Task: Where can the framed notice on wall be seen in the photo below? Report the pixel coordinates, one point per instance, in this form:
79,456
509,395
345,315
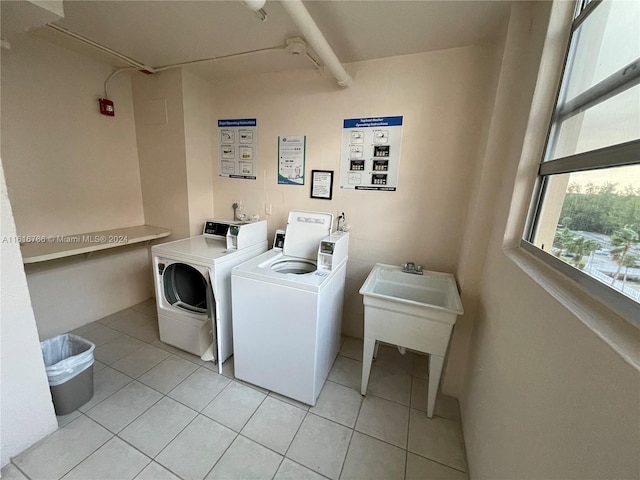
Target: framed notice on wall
237,155
322,184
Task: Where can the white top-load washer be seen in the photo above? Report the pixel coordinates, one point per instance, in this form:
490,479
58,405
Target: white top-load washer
287,309
193,285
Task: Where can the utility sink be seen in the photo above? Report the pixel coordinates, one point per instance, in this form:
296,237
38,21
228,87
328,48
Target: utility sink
431,290
410,311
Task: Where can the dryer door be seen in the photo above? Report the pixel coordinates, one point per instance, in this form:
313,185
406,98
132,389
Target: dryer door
185,288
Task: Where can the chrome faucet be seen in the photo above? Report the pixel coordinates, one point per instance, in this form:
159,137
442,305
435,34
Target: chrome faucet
410,267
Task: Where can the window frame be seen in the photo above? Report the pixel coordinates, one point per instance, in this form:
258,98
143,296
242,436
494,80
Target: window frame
623,154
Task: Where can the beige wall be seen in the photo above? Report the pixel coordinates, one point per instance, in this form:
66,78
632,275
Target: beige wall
198,125
545,396
26,410
444,97
174,124
161,149
71,170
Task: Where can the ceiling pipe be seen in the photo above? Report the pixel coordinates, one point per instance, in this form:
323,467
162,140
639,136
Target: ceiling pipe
314,37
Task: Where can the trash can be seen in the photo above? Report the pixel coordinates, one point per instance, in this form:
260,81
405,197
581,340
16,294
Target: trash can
69,364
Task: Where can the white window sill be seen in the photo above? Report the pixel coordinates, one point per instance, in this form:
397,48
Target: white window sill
621,334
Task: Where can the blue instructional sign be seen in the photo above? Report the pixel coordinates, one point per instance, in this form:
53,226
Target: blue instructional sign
238,148
370,157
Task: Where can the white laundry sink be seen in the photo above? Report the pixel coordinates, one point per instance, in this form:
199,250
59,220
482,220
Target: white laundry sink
411,311
434,292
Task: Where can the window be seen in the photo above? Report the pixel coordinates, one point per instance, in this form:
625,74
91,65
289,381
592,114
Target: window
585,215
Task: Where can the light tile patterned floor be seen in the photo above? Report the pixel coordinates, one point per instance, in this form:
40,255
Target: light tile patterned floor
161,413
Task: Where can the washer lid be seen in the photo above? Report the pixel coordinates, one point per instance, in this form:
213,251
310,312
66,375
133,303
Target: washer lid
304,232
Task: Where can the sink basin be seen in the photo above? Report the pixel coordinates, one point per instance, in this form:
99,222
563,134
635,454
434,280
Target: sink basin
432,290
411,311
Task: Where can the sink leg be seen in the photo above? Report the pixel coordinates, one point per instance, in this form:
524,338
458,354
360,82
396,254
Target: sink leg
435,370
367,357
375,351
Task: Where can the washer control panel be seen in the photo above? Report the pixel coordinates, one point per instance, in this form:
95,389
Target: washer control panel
333,251
217,228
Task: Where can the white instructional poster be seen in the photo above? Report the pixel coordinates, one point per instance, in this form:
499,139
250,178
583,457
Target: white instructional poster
291,155
370,158
238,148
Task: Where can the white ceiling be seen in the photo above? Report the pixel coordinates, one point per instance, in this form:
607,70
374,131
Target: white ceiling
158,33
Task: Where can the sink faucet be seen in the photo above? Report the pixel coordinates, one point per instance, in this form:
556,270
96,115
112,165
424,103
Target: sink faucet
410,267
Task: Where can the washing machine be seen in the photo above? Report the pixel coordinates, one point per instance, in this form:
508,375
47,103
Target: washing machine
193,285
287,309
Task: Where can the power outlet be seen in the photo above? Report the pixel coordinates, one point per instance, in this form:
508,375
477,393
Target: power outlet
268,209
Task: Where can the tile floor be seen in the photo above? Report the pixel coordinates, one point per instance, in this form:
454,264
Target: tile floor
160,413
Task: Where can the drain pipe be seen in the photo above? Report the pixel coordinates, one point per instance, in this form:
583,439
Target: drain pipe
312,34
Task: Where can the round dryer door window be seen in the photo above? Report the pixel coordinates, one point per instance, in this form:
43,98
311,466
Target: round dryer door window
185,288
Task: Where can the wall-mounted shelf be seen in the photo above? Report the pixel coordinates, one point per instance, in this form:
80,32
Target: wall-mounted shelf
68,245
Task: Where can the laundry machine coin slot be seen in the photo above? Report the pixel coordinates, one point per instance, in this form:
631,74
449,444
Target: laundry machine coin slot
278,240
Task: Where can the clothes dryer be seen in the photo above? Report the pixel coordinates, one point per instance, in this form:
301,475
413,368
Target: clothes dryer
287,309
193,285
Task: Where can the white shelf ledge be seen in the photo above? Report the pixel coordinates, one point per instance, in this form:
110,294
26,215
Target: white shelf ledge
42,249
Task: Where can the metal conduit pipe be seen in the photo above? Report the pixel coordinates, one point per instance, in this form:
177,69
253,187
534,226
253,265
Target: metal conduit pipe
107,50
312,34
